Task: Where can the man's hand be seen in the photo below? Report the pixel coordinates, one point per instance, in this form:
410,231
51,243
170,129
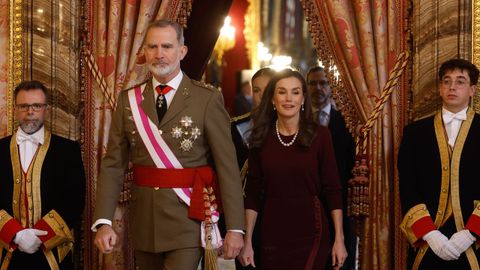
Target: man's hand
105,239
441,246
462,240
232,244
28,241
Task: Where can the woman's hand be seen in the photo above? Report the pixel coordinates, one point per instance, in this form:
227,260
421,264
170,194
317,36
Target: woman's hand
339,254
246,255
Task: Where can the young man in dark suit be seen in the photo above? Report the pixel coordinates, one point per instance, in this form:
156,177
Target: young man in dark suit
438,170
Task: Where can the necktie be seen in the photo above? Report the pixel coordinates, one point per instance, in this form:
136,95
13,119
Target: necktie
323,118
161,101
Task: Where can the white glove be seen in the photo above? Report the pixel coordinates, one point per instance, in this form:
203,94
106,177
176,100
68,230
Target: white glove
28,241
462,240
441,246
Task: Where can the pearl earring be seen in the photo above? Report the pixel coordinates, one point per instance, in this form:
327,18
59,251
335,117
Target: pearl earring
303,109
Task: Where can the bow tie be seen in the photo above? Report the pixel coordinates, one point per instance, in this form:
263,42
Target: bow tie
22,138
448,116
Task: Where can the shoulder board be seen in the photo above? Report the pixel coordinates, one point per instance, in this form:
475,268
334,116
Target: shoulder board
245,116
204,85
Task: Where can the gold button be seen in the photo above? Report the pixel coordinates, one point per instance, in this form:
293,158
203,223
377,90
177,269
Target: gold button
14,201
17,181
50,215
29,180
31,208
445,168
29,194
421,250
444,190
440,212
410,216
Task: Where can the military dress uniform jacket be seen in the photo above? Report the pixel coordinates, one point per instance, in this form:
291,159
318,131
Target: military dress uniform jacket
439,188
158,219
59,185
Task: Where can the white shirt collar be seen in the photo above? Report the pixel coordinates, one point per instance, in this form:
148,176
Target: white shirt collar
327,108
174,83
39,135
460,112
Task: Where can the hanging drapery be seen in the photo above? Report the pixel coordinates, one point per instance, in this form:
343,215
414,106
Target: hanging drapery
364,39
115,30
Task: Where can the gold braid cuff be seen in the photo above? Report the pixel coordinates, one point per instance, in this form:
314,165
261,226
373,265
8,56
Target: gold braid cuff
413,215
63,239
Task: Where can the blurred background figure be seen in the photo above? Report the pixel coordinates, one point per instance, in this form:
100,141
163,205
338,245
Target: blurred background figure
343,145
293,196
243,100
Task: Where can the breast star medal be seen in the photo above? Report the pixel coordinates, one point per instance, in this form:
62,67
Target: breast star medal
186,133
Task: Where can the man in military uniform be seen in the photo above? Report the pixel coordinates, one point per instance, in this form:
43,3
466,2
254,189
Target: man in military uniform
174,130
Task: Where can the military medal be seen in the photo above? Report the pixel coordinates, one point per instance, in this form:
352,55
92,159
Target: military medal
186,133
160,99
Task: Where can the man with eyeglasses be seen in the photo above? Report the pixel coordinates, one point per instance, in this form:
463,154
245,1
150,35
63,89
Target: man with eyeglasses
439,179
42,188
343,145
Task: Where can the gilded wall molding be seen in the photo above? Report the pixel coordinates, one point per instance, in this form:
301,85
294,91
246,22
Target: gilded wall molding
252,32
476,46
15,58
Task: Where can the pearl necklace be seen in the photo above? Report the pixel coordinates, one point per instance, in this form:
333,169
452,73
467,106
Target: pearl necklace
280,138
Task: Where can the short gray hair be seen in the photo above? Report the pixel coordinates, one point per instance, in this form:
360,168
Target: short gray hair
166,23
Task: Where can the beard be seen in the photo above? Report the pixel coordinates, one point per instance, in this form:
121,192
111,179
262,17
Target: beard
31,126
161,71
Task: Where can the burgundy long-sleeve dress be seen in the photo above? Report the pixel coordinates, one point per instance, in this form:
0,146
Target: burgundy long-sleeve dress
295,188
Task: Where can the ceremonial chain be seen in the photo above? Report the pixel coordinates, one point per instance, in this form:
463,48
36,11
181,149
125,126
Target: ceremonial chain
280,138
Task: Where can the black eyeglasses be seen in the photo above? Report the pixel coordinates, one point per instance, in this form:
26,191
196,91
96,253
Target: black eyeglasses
36,107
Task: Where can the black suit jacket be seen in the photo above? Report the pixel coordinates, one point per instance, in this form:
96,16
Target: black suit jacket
62,189
344,148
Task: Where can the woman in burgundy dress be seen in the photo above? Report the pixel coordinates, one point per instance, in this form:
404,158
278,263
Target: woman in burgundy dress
293,180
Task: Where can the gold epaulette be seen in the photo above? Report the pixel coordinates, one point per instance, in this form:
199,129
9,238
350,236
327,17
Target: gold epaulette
240,117
205,85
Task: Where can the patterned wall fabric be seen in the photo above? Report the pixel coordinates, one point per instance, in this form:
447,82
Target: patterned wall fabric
441,30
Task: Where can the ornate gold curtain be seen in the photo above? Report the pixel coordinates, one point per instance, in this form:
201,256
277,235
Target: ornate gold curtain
363,39
115,62
4,67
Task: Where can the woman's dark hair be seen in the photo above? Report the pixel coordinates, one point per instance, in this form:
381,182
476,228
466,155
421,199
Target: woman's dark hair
266,71
264,116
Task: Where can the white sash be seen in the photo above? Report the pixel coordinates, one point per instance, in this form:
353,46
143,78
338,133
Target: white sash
164,158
